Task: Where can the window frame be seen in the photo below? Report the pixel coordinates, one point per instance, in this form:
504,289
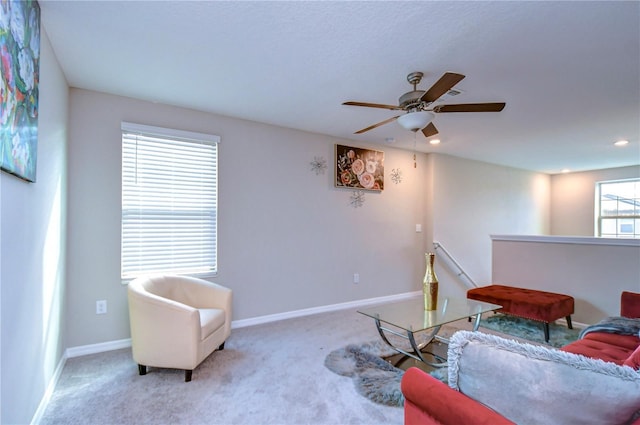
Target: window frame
599,216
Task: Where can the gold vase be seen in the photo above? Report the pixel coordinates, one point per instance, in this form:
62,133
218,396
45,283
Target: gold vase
430,284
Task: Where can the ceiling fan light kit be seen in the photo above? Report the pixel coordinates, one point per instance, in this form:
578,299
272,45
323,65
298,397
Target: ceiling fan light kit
414,121
419,108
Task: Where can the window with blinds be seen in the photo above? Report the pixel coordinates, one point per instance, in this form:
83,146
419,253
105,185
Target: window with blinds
169,201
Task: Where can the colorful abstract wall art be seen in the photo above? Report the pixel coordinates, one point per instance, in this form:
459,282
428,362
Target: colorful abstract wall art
20,67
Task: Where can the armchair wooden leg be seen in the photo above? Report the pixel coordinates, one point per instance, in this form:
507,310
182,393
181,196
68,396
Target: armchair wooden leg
142,369
221,347
187,375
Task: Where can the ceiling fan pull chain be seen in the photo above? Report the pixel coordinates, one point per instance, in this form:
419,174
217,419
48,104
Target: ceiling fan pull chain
414,149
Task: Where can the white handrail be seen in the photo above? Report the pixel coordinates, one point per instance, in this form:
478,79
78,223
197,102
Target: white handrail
461,272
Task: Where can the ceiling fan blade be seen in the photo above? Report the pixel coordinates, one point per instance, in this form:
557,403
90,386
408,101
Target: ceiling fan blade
448,80
373,105
430,130
371,127
471,107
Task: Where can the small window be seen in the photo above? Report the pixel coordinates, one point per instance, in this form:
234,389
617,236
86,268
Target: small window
618,205
169,201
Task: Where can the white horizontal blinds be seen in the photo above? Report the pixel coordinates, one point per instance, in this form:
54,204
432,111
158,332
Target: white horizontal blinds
169,202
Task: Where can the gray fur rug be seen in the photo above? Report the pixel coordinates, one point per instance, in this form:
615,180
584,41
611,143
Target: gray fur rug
530,330
374,378
379,381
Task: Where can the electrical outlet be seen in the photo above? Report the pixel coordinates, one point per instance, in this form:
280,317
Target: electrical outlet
356,278
101,307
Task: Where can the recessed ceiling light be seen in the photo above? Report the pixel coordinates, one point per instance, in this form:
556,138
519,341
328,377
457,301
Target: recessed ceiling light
566,170
434,141
389,140
621,143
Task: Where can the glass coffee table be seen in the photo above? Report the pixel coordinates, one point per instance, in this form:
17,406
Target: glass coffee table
407,318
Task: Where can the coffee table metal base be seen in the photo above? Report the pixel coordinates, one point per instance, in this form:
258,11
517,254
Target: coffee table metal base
435,351
417,353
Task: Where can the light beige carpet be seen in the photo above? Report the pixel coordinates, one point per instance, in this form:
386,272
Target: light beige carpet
267,374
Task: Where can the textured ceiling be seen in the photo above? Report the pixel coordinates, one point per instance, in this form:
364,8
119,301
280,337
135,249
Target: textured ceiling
568,71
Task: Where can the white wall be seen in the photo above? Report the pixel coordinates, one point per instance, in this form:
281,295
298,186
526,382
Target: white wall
288,239
32,261
573,198
472,200
594,271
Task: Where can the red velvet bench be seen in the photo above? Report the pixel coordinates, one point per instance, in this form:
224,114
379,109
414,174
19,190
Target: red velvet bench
532,304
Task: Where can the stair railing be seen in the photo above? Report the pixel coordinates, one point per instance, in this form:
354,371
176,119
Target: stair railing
460,271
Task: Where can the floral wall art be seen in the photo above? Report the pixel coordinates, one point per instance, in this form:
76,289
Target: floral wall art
359,168
19,66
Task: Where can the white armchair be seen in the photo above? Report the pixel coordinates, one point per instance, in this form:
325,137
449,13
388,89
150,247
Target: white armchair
177,321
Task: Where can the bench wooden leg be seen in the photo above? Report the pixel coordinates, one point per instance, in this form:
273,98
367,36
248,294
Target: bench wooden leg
187,375
569,325
546,332
142,369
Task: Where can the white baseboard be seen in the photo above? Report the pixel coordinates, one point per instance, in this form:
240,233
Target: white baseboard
37,416
323,309
578,325
101,347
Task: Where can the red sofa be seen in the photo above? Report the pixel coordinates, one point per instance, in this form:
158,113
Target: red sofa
429,401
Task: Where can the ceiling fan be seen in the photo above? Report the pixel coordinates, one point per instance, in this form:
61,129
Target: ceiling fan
418,105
